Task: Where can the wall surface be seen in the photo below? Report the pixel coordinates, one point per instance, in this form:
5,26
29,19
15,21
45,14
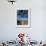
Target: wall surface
8,30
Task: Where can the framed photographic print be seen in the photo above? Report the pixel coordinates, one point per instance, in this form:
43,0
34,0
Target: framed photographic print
23,16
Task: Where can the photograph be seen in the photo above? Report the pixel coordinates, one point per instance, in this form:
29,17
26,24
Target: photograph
23,17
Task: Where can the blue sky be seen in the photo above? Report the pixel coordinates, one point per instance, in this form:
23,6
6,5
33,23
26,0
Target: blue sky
22,15
22,18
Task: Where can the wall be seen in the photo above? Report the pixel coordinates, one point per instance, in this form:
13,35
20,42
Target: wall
8,28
